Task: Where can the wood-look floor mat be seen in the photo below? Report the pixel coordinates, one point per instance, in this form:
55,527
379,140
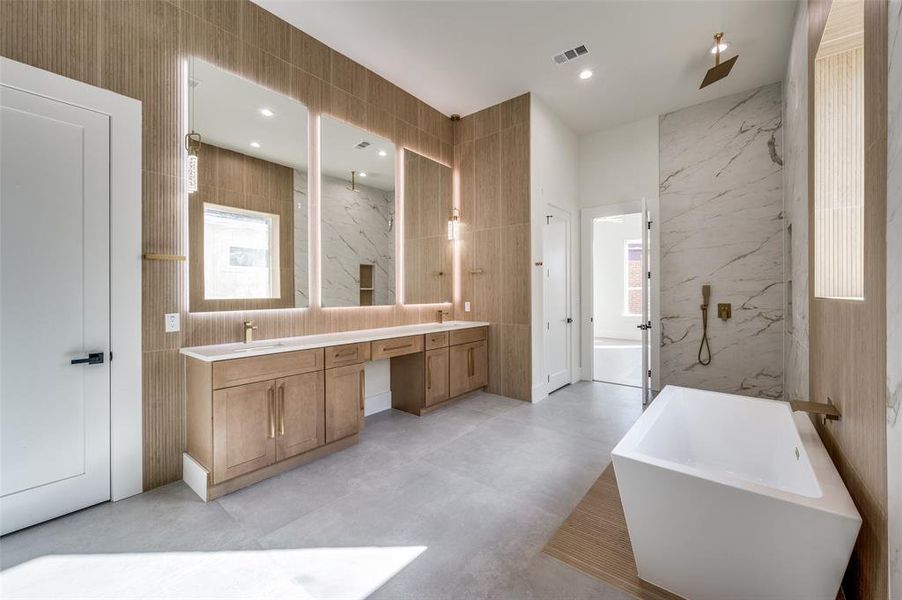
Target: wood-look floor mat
594,540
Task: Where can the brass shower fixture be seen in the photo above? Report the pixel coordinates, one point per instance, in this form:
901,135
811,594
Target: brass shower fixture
720,69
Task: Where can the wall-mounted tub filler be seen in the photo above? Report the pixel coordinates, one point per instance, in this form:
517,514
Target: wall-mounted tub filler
754,507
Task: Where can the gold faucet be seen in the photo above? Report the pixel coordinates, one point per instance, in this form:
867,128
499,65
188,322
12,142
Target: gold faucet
440,315
249,331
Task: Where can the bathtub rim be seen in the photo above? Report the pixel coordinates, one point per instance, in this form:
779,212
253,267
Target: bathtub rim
834,496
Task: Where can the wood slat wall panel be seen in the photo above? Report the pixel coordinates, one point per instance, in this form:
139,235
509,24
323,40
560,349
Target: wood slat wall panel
491,164
848,339
136,48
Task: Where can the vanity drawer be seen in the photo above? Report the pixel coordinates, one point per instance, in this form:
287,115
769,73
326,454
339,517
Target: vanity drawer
397,347
349,354
436,340
465,336
229,373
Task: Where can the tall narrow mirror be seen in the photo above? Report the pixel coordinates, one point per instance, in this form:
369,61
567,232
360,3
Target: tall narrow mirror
247,181
357,194
427,244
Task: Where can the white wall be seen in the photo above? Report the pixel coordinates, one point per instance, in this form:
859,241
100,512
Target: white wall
610,278
620,164
554,154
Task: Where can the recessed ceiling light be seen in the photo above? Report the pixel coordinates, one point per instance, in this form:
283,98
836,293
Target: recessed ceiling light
266,112
362,173
722,46
383,153
585,74
255,144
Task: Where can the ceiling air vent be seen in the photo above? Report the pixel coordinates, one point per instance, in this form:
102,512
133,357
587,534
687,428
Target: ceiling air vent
362,145
572,54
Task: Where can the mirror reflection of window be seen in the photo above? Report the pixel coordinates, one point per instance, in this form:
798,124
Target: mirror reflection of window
241,257
357,191
248,215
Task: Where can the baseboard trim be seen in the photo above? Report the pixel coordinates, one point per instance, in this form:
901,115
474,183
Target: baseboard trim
376,403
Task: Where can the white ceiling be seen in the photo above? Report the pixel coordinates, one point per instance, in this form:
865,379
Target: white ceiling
225,109
648,57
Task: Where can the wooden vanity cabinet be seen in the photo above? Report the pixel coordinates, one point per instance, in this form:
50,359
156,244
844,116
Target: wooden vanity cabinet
468,365
344,401
437,376
243,429
300,414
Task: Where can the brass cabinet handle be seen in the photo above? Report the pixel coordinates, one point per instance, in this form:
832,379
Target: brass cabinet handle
471,369
362,387
346,352
270,408
282,409
407,345
428,372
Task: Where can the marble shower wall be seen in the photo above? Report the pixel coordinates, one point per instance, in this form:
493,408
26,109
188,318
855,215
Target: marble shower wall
795,203
357,228
721,196
894,296
301,260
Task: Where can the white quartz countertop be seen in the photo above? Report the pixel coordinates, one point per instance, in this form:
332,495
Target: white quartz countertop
306,342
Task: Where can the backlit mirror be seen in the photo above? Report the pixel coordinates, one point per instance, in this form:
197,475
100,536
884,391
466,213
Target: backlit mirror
247,165
427,233
357,194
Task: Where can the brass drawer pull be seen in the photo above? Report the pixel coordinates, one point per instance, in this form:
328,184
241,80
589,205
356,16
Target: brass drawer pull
282,409
389,349
362,388
347,352
428,372
270,410
471,367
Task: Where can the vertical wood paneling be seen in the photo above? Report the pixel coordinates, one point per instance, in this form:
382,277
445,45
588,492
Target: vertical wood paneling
848,338
135,48
491,163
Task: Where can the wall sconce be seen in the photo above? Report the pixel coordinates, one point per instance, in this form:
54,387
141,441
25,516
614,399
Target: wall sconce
453,224
192,144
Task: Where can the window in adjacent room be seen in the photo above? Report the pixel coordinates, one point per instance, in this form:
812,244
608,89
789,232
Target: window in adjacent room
632,268
241,253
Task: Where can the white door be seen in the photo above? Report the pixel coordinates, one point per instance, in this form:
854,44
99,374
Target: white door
54,308
556,260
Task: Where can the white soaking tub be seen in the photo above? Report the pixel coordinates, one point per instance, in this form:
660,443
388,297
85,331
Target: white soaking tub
730,497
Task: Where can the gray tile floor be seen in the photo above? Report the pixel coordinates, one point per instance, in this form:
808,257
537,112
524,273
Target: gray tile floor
457,504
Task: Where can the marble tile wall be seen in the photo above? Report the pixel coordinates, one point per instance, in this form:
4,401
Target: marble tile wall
795,203
301,235
721,195
357,228
894,297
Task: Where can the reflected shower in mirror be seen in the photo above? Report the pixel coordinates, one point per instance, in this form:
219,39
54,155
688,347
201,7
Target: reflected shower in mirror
248,194
357,194
427,247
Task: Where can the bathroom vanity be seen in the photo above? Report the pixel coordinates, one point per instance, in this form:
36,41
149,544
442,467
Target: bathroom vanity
256,410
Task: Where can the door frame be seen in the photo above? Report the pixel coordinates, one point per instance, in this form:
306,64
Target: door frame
126,422
552,210
587,292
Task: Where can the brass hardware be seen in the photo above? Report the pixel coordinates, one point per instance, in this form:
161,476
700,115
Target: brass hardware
437,273
828,410
155,256
387,349
282,409
192,143
724,311
719,70
428,372
269,413
455,117
477,271
249,328
471,368
362,388
347,352
440,314
540,263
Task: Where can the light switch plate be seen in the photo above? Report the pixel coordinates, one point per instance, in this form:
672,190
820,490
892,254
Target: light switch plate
172,322
466,307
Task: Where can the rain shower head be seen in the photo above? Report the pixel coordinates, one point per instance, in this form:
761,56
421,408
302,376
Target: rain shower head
720,69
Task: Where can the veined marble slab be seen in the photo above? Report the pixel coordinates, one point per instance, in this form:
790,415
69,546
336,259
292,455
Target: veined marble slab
721,196
307,342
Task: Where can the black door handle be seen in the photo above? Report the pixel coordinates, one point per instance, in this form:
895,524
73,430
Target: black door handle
569,320
94,358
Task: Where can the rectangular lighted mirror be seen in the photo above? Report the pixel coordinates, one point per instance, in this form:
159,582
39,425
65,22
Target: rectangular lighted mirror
357,192
248,214
427,247
839,73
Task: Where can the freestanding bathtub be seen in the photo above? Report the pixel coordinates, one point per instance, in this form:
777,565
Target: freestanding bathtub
730,497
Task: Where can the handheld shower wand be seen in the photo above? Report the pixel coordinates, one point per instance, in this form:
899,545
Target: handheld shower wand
706,295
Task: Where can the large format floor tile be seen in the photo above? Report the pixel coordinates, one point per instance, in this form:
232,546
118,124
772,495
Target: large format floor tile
456,504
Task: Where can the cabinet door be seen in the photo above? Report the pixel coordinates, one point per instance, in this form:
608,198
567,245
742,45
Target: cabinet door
344,401
300,414
436,376
468,367
479,365
243,429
